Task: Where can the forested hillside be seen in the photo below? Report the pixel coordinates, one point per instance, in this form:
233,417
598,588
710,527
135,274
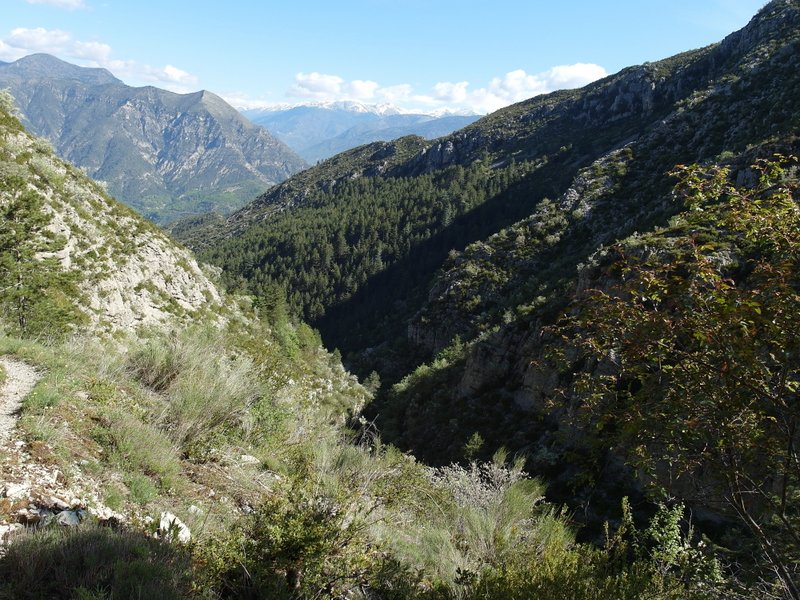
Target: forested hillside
600,155
478,287
205,453
576,323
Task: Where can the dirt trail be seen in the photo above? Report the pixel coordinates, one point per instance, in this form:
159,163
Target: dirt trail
20,379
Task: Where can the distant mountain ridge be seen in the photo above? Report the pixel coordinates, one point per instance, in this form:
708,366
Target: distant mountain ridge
166,155
319,130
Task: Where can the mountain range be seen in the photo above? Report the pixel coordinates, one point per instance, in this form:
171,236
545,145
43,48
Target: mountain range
318,131
166,155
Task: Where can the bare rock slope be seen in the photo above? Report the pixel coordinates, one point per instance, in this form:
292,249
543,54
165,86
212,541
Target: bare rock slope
129,274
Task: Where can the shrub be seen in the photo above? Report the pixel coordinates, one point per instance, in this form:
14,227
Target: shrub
92,562
205,392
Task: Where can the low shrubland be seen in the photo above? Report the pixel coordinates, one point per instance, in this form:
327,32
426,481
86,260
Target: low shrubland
250,448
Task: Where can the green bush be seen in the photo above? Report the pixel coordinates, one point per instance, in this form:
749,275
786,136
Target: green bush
659,562
294,545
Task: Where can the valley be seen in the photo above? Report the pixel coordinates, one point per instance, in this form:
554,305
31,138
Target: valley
551,352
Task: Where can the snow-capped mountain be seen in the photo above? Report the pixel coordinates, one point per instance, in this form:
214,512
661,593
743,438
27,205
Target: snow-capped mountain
318,130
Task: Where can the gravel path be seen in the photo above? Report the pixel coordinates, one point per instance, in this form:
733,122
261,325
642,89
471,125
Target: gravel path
20,379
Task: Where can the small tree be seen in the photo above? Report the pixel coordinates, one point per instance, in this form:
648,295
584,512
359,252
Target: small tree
35,293
703,331
7,103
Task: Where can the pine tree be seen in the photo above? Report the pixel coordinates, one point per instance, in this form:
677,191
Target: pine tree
36,295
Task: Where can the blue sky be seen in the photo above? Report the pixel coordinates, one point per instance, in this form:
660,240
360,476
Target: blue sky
417,54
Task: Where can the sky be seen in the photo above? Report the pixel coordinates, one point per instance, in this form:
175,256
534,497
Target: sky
421,55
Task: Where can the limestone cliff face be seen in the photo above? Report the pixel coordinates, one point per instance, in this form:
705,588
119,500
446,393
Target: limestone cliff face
129,273
167,155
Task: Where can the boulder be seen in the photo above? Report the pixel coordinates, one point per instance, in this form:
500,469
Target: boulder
172,528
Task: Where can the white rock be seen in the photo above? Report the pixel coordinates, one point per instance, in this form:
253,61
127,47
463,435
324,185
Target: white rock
16,491
58,503
248,459
104,514
171,527
195,510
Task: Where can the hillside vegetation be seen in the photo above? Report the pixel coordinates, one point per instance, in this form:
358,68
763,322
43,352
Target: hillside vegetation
568,171
548,186
584,316
213,460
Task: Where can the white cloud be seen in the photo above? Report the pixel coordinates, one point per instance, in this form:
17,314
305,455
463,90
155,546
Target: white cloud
21,42
95,51
451,93
68,4
178,75
167,77
573,76
317,86
362,90
395,94
518,85
512,87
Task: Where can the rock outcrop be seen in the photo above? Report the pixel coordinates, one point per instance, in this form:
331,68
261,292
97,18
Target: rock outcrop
129,273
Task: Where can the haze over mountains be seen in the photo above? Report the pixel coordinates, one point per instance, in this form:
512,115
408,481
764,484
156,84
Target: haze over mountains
167,155
320,130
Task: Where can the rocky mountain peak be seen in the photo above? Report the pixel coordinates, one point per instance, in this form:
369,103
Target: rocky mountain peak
46,66
167,155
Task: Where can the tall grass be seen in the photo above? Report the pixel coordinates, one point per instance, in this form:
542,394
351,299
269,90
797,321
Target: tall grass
480,517
204,390
93,562
142,447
